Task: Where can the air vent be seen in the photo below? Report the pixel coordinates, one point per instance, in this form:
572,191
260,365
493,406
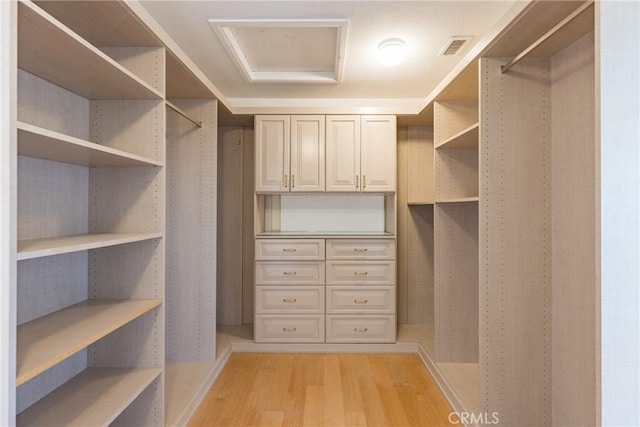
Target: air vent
454,45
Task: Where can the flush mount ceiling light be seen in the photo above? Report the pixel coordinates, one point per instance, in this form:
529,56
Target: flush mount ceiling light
391,52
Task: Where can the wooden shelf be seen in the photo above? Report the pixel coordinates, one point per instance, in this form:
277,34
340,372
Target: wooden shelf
48,340
36,248
460,200
34,141
94,397
53,52
321,234
420,203
468,138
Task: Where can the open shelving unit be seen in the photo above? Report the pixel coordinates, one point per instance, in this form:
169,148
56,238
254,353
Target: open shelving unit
94,397
36,248
41,143
47,340
90,239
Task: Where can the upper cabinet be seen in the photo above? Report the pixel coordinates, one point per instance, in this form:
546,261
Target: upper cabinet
307,153
289,153
378,153
343,153
272,153
361,153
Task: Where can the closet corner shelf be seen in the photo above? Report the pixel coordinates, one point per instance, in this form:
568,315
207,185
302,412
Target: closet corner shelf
50,50
460,200
420,203
40,143
96,396
36,248
46,341
467,138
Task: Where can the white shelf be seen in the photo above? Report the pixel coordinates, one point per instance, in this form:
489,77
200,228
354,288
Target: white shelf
467,138
48,49
34,141
36,248
48,340
94,397
460,200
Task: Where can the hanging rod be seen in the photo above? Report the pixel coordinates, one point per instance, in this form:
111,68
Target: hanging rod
546,35
183,114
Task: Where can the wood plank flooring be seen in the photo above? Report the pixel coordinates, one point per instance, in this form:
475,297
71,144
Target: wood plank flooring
314,390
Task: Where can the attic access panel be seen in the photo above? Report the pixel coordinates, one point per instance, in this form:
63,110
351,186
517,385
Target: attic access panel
286,51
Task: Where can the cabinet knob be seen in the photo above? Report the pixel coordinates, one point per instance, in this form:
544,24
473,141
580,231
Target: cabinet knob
289,273
289,300
364,181
286,181
293,181
360,329
289,329
357,182
360,301
288,249
360,249
360,273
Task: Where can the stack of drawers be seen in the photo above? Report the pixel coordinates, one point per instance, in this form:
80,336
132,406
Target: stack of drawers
359,295
360,290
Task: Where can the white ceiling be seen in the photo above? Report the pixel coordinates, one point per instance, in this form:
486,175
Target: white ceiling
366,86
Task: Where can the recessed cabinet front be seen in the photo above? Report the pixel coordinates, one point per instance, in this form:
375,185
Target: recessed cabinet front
361,153
290,153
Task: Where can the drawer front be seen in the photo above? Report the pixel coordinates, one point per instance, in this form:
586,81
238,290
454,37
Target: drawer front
361,272
346,249
280,328
294,272
361,299
361,328
289,249
289,299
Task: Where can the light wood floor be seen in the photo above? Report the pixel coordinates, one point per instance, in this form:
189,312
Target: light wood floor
323,390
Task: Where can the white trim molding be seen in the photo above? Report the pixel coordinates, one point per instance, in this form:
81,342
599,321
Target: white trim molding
224,29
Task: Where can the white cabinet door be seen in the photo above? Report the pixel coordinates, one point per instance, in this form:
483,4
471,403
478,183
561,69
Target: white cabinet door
307,153
343,153
272,153
378,153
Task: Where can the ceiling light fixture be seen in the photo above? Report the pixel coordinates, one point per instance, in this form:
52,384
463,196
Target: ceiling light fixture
391,52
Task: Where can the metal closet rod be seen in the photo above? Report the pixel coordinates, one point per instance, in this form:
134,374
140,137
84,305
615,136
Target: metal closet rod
546,35
183,114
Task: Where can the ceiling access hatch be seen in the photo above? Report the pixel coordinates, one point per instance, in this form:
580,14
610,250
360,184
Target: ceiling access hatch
286,51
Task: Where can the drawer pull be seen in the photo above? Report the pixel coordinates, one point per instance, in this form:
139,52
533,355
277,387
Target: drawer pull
360,301
289,300
289,329
288,249
289,273
360,273
360,329
360,249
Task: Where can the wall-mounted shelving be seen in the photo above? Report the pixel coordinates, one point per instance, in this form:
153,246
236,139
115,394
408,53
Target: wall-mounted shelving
49,50
91,149
41,143
94,397
46,341
466,138
36,248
